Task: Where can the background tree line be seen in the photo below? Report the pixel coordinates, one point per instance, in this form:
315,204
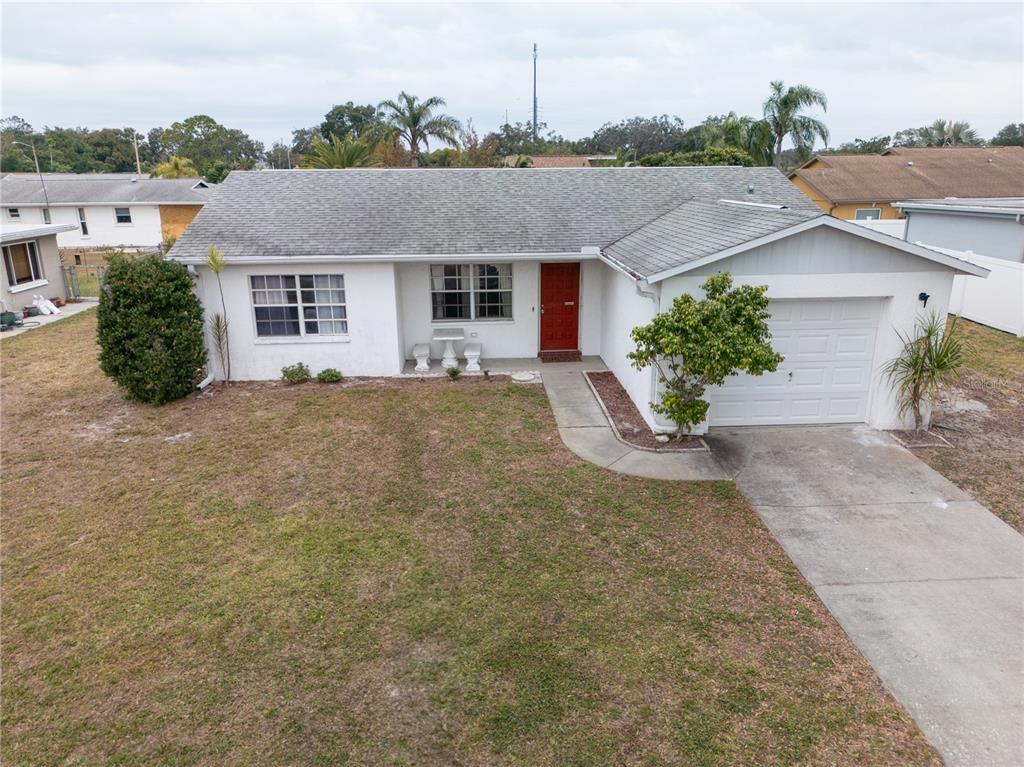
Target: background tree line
411,131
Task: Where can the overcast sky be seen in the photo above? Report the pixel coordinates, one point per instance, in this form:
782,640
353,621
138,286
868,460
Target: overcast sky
269,68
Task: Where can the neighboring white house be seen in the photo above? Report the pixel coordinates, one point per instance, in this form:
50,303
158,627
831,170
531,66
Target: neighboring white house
988,231
106,210
352,268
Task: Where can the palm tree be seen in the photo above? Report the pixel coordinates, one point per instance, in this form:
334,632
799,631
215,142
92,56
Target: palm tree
752,136
338,153
952,133
416,122
784,116
175,167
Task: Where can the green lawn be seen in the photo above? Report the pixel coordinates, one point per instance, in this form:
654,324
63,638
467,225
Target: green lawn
390,573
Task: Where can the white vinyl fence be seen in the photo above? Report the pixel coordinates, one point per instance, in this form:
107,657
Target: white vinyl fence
997,301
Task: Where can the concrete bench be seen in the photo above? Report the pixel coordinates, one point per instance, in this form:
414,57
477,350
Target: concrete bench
472,354
422,354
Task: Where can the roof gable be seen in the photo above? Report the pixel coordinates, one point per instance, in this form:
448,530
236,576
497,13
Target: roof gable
914,249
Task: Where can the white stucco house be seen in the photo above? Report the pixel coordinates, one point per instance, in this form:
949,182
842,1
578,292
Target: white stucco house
102,210
354,268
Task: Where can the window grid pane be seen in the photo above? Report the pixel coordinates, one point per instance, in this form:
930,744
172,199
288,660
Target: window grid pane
471,291
278,305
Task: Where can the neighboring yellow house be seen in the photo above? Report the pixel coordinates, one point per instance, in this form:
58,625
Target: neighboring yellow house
864,186
174,219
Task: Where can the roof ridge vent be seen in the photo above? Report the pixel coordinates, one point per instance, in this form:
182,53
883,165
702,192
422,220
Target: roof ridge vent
747,204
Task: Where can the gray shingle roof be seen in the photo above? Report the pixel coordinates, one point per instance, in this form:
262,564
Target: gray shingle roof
101,190
372,212
700,228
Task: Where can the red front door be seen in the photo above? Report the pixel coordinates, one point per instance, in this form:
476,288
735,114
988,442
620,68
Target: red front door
559,307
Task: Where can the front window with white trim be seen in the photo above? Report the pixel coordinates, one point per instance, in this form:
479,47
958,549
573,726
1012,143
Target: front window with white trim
123,215
14,214
471,291
21,261
299,305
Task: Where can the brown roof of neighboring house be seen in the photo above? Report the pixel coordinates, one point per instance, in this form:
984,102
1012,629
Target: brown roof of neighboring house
558,160
905,173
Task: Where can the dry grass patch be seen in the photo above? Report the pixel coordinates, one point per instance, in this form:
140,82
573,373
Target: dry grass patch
983,418
399,573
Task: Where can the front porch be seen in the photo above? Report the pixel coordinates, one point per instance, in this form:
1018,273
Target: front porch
510,365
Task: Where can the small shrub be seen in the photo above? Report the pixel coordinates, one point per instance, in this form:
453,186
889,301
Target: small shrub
150,328
930,359
453,372
329,375
295,374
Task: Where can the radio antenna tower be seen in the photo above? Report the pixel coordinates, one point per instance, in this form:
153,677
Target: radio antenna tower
535,92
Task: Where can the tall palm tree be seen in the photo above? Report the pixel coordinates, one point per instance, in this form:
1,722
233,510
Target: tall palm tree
175,167
416,122
338,153
783,111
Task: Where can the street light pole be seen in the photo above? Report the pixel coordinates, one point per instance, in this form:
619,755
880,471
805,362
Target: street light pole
39,173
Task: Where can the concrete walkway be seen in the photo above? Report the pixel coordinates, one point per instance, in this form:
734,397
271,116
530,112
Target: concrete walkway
42,320
928,583
585,430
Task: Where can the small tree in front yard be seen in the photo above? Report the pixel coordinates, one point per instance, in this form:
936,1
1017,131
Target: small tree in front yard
150,328
699,343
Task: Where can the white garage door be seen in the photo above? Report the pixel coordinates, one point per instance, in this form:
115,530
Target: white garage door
825,378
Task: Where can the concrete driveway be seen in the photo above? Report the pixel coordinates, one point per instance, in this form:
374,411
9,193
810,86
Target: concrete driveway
927,582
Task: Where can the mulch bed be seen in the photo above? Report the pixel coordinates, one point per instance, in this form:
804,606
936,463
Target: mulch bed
911,438
629,425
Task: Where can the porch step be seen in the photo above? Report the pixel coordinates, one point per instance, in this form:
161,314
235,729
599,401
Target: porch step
561,356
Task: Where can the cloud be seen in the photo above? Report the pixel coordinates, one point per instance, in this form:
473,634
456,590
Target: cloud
269,68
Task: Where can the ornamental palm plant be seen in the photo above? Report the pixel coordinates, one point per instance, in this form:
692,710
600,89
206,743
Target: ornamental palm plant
929,360
338,153
416,122
783,112
219,322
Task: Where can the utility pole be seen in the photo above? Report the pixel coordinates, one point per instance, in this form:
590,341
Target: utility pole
535,92
39,173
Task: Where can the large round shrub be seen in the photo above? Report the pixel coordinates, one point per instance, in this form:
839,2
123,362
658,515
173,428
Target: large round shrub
150,328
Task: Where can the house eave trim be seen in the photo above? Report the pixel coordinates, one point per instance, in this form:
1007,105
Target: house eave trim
961,267
587,254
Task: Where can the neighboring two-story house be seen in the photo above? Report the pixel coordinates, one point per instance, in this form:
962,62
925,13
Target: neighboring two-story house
107,210
865,186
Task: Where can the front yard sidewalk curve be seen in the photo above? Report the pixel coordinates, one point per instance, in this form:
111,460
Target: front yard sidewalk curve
585,431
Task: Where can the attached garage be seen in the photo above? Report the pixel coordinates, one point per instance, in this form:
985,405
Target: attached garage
826,377
841,295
